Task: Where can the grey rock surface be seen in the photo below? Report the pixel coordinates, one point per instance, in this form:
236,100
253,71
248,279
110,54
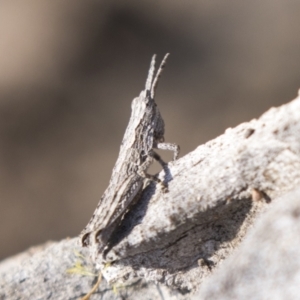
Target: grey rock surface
216,194
49,272
267,265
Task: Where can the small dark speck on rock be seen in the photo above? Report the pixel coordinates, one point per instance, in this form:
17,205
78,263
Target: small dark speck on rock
249,132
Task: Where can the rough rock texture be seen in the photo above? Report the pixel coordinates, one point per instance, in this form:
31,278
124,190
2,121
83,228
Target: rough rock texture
44,273
267,265
216,193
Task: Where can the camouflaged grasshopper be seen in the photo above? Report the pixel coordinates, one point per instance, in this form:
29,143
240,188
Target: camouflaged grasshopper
144,133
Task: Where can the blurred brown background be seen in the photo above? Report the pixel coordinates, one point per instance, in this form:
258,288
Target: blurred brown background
69,70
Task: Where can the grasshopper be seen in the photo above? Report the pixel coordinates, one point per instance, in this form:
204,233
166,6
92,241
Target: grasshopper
144,133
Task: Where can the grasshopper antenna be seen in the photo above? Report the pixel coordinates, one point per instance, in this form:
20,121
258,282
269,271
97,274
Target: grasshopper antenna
158,74
150,74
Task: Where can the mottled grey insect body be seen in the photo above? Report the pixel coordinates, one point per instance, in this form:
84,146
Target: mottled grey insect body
144,133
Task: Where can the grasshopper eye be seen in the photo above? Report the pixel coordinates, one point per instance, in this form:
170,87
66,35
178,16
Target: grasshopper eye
85,240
